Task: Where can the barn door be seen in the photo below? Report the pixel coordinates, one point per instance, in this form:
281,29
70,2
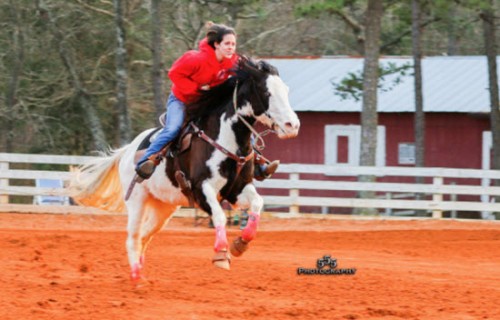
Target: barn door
343,143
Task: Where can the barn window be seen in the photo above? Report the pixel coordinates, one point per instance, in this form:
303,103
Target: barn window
406,153
343,142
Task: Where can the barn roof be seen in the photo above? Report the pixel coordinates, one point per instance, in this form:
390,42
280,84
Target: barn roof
450,84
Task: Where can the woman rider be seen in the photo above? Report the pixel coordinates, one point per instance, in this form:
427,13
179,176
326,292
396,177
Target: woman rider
194,71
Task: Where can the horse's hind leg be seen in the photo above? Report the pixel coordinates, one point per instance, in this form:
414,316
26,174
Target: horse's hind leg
249,197
136,213
157,214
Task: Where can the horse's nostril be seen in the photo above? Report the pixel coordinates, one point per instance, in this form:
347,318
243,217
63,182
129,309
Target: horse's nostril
289,125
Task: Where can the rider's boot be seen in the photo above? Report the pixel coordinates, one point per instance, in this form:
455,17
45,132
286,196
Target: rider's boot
145,168
263,167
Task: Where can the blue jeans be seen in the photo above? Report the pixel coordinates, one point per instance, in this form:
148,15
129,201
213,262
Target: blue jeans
173,123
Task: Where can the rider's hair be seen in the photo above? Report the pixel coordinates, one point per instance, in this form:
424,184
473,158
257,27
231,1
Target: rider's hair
216,32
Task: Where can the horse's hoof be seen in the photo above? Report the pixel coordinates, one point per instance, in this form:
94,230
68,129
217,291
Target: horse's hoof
135,273
238,247
222,259
222,264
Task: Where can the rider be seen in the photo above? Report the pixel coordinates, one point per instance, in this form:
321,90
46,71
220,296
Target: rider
194,71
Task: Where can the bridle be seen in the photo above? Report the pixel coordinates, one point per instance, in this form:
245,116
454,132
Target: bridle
259,141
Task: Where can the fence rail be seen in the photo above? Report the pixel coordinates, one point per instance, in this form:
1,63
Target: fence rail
474,183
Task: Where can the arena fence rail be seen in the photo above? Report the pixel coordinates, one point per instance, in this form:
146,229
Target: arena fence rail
294,187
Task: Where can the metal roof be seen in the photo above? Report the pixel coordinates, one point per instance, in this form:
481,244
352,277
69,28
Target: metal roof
450,84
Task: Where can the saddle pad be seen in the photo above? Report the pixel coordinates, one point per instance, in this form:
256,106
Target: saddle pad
148,139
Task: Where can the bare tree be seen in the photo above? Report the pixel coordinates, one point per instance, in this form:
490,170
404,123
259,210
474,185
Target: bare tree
419,100
369,115
17,61
80,92
419,121
157,72
124,128
489,25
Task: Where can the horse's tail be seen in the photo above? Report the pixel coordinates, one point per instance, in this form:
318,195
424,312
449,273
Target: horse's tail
97,183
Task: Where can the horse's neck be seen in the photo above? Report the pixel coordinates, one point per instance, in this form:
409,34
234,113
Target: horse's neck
229,131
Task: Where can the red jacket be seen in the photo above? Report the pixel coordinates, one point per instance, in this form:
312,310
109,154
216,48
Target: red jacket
195,69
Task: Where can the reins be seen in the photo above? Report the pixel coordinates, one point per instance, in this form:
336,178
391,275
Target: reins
240,161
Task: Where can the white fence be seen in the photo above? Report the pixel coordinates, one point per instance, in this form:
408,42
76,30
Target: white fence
475,185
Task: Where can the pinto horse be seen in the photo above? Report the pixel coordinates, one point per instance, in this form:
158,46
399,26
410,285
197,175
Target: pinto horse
217,165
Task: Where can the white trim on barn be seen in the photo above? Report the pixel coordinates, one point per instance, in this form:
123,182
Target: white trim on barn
353,134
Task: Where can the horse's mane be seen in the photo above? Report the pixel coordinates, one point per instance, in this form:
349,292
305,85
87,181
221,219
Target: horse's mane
215,99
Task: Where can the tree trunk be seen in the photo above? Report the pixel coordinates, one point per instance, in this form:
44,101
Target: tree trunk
369,116
488,17
452,47
419,100
157,73
124,128
419,121
17,61
84,99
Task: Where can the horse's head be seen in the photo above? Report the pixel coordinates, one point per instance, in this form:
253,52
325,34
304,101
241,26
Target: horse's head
269,98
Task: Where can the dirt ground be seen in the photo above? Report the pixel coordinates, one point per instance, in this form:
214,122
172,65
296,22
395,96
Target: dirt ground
75,267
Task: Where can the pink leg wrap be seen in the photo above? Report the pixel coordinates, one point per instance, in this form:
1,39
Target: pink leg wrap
135,273
250,230
220,239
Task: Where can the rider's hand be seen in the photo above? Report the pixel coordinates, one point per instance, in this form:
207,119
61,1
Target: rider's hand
205,87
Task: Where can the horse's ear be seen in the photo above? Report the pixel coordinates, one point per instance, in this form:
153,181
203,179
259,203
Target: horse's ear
267,68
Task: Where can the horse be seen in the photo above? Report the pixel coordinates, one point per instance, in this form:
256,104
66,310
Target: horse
216,165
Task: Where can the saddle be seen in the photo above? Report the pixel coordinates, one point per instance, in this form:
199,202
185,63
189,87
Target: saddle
180,144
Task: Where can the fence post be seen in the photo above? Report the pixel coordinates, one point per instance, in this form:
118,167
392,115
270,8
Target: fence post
294,194
453,198
388,196
4,183
437,197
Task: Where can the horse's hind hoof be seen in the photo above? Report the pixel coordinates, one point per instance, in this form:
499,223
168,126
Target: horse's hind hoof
222,259
238,247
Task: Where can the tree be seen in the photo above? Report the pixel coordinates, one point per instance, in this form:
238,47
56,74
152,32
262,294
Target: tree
488,17
369,115
80,92
157,74
16,62
419,103
124,128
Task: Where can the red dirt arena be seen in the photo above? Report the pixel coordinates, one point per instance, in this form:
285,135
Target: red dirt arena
75,267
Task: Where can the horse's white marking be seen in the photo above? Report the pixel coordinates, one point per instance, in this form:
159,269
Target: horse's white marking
246,110
280,112
212,186
249,198
218,215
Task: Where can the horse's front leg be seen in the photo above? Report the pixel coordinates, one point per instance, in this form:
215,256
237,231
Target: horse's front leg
248,198
221,259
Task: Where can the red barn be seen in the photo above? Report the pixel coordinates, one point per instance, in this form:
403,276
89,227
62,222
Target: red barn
456,104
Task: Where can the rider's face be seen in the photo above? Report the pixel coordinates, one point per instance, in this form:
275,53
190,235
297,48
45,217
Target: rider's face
227,47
